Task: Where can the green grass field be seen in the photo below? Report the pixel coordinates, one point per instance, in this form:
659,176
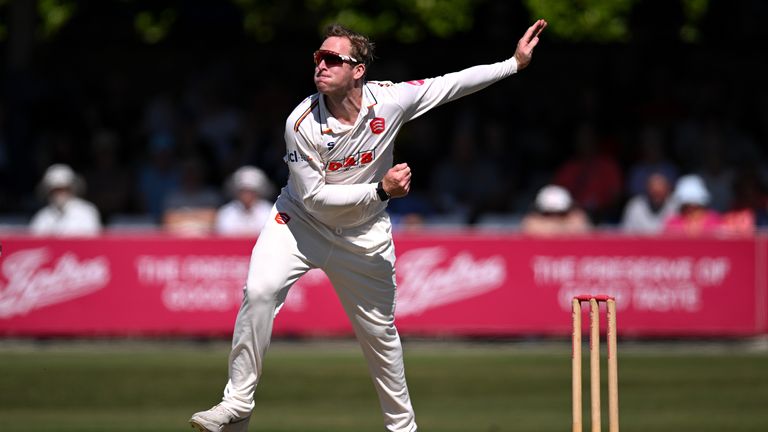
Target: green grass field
323,386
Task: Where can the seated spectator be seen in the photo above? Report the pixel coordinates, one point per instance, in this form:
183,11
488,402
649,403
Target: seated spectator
65,214
191,210
159,175
750,195
694,217
592,176
465,183
247,213
651,160
739,222
555,214
646,213
109,180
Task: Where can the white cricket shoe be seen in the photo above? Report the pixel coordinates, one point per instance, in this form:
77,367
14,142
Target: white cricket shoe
218,419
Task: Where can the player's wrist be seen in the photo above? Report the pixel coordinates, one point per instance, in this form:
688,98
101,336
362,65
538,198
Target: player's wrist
383,194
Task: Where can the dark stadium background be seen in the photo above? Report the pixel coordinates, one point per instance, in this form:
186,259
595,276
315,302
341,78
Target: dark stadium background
97,74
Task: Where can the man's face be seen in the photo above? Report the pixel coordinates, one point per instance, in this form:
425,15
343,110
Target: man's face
658,188
337,77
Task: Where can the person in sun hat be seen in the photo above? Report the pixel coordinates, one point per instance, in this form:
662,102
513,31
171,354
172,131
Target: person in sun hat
247,213
694,216
65,214
554,213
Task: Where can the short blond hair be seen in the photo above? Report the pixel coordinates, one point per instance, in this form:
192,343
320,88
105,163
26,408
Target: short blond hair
362,47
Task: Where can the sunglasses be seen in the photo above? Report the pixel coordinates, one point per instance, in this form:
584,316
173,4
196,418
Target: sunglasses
332,58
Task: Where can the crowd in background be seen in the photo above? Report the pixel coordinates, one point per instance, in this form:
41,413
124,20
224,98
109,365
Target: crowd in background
633,135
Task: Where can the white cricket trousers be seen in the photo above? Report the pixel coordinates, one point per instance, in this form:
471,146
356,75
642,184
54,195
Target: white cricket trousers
360,264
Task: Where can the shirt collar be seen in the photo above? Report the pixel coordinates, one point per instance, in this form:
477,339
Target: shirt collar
330,124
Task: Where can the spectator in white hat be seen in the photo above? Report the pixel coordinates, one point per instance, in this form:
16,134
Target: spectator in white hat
694,216
554,214
246,214
65,214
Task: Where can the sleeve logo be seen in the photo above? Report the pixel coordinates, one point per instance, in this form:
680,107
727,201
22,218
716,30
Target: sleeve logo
282,218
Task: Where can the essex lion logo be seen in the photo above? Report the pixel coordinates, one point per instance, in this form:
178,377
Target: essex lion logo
377,125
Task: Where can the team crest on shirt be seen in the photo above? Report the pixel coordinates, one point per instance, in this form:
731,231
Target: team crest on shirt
357,160
377,125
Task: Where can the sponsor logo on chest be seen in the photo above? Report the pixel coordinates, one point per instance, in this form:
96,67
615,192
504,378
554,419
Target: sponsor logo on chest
358,160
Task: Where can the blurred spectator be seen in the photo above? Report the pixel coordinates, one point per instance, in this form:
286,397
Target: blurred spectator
591,176
247,213
749,207
160,115
65,214
191,209
715,172
651,160
109,181
555,214
694,217
645,213
5,195
220,128
465,183
158,176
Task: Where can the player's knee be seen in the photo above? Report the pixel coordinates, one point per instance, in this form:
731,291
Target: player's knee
259,293
376,326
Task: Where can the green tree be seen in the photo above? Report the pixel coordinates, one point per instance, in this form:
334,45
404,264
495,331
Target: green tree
404,20
605,20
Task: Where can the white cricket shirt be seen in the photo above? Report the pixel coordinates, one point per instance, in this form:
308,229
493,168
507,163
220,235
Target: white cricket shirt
334,168
77,218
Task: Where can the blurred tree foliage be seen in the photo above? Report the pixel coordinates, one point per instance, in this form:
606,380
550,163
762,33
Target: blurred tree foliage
585,20
605,20
406,21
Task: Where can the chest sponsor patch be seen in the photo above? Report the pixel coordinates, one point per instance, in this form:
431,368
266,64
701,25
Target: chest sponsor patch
357,160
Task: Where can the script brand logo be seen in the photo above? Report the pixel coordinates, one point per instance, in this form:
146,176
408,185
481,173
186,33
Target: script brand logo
433,277
33,279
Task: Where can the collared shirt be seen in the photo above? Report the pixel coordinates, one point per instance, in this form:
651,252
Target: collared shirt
77,218
334,167
233,219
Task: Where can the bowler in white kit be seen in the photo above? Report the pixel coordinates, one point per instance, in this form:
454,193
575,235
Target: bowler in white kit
331,215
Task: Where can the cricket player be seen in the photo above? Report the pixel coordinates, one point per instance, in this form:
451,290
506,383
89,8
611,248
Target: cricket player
331,215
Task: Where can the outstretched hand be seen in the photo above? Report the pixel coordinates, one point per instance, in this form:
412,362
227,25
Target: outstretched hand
527,43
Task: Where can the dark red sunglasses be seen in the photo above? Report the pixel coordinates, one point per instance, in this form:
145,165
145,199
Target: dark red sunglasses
332,58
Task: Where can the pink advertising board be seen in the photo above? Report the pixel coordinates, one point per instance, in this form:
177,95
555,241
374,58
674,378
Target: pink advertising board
465,284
